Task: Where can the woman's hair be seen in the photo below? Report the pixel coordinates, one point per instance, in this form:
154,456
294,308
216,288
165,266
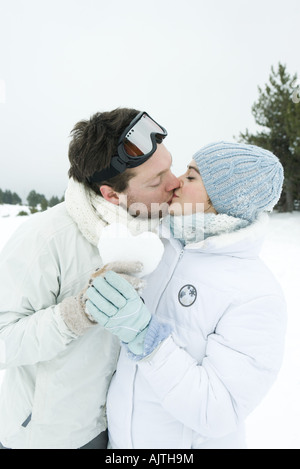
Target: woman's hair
93,144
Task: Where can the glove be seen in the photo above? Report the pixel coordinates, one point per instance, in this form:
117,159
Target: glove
73,309
127,270
146,343
114,303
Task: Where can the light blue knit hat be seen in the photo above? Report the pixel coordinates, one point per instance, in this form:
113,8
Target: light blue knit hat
241,180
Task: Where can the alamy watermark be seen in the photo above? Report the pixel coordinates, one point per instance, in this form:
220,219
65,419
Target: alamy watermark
185,219
296,92
2,92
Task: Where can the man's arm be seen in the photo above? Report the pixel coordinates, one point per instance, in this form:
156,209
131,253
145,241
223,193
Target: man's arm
31,327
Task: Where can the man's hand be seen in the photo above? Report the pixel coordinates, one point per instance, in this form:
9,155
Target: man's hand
127,270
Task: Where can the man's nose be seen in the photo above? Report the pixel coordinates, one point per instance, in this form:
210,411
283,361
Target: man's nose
173,184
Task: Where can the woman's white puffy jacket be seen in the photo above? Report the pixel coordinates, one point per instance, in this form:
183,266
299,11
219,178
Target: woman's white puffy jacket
197,388
55,385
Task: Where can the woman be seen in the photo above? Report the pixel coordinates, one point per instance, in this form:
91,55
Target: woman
193,387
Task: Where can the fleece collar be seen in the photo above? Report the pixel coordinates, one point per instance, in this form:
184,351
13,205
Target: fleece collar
237,242
92,213
245,242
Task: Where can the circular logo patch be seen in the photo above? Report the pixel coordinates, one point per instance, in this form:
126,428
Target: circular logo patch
187,295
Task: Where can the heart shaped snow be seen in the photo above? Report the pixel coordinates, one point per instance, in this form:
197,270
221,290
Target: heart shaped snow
118,244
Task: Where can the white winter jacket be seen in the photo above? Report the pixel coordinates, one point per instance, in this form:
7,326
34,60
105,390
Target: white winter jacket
55,384
228,317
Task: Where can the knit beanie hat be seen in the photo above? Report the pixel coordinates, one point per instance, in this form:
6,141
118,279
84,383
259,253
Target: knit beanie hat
241,180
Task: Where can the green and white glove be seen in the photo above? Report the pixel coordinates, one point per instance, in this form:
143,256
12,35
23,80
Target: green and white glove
116,305
73,309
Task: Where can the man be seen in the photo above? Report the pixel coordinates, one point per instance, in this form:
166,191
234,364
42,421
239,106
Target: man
58,359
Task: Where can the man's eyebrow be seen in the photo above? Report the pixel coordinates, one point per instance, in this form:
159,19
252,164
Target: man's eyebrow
194,167
162,172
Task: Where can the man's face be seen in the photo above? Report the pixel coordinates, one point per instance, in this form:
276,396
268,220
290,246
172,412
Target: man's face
150,191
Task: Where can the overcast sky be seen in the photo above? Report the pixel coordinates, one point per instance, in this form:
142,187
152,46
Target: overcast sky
194,65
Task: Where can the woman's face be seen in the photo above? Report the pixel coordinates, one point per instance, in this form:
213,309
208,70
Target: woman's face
191,196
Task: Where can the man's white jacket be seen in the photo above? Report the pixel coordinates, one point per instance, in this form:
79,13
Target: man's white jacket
228,317
55,384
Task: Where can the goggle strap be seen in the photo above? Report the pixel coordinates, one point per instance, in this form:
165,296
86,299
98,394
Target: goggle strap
103,175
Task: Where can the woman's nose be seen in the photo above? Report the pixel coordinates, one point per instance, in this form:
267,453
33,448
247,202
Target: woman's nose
180,182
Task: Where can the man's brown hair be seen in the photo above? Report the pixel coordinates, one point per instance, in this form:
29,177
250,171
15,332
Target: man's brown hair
93,144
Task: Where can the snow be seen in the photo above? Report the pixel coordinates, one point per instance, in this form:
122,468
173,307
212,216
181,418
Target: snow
9,211
275,424
146,247
9,221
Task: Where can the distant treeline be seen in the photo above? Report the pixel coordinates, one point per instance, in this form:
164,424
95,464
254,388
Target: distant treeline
36,202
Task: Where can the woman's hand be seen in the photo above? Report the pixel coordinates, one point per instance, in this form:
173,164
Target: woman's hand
114,304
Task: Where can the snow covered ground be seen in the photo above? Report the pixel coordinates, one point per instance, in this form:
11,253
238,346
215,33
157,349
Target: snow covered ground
275,424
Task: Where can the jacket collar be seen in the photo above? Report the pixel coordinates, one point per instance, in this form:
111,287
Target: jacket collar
246,242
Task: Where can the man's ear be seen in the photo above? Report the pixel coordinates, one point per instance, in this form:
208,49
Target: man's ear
110,195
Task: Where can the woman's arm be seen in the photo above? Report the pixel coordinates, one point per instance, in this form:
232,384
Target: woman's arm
243,357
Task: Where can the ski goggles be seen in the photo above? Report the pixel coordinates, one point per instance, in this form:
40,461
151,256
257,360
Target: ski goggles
137,143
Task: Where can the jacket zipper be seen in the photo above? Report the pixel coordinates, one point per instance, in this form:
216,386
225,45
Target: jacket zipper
167,284
135,371
132,404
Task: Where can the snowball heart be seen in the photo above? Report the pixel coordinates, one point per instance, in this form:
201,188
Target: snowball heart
118,244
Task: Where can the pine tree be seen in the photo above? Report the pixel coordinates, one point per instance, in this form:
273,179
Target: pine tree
33,199
9,197
16,200
44,203
53,201
277,111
